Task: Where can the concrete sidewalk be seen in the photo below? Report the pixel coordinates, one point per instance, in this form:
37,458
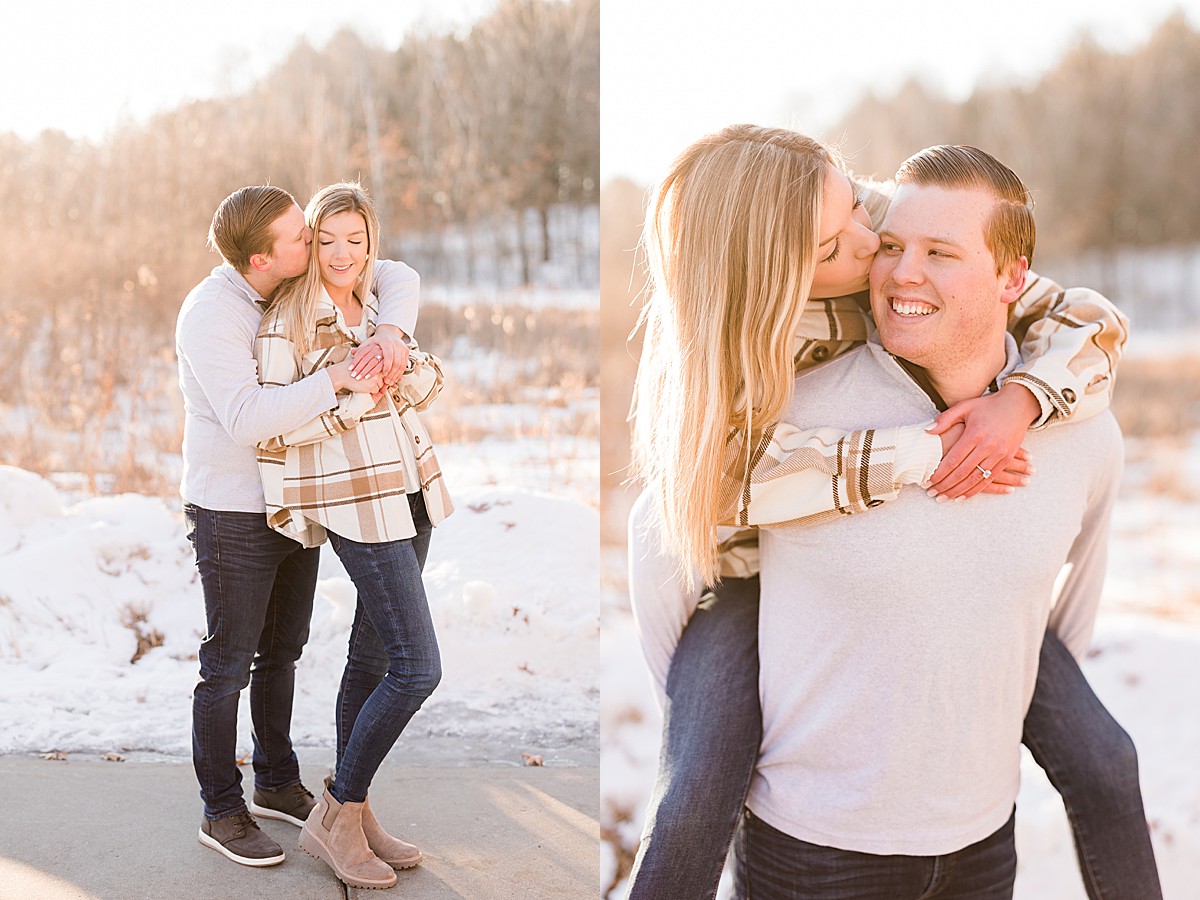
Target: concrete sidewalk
84,829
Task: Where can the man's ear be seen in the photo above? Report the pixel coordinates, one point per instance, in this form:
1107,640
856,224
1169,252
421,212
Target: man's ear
260,262
1014,280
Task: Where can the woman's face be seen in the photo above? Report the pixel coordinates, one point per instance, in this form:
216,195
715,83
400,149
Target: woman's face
847,242
342,248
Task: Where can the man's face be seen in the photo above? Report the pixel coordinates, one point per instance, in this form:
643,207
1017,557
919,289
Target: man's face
289,253
935,293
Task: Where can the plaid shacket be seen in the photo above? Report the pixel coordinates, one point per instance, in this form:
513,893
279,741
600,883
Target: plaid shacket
345,471
1071,341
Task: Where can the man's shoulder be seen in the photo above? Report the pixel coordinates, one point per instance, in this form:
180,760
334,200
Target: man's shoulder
215,302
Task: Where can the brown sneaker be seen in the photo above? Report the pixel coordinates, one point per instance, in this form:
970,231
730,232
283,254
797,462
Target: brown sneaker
239,838
290,804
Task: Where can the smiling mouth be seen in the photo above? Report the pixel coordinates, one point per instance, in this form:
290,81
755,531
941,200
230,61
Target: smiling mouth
339,268
911,309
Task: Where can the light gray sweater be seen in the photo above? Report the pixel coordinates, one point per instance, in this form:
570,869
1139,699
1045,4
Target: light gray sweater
226,410
899,649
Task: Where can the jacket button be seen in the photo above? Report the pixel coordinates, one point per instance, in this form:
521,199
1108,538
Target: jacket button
1069,395
820,353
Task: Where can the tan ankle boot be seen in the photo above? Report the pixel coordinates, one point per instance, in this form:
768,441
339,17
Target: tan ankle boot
333,833
396,853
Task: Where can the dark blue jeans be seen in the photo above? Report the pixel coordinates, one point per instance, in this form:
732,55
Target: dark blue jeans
393,663
258,598
772,865
713,725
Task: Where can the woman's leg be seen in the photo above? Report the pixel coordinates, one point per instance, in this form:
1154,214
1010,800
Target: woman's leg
366,659
1092,763
388,580
712,725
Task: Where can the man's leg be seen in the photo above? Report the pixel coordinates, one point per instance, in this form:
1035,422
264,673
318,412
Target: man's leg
772,865
1092,763
273,672
238,558
712,726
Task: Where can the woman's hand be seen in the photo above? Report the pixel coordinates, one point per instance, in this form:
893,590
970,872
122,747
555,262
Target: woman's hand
385,352
343,379
984,433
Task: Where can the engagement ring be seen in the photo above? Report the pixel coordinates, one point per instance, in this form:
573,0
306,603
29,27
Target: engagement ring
986,473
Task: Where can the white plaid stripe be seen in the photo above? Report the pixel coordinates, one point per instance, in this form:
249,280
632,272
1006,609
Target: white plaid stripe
347,470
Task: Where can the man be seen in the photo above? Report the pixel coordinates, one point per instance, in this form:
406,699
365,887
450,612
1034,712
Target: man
258,585
899,650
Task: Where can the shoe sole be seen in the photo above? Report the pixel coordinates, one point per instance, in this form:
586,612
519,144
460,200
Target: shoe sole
267,813
314,847
407,864
259,862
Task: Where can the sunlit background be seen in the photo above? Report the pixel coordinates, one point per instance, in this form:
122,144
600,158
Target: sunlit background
475,126
1097,107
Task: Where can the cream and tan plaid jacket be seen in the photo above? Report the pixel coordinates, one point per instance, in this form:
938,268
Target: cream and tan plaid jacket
350,469
1070,340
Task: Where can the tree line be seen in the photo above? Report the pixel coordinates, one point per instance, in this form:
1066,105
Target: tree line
1105,140
486,136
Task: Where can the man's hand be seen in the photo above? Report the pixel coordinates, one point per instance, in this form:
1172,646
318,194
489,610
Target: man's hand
386,352
984,433
342,379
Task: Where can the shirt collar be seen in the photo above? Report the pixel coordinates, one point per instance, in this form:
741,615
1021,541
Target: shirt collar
238,280
1012,359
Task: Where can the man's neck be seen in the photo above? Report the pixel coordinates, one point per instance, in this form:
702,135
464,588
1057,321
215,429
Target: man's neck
949,385
262,282
957,383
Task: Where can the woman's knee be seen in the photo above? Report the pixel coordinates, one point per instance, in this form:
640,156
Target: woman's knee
417,679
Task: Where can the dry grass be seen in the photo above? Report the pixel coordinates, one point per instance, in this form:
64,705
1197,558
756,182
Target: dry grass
1158,397
113,423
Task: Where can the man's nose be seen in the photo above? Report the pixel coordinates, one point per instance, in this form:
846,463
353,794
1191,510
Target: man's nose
907,269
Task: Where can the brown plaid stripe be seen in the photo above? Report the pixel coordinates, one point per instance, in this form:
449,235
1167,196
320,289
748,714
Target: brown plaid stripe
349,470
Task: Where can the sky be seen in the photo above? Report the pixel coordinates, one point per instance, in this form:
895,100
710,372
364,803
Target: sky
674,71
88,66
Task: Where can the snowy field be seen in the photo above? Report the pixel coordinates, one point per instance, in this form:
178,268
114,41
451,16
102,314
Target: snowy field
101,610
512,579
1144,664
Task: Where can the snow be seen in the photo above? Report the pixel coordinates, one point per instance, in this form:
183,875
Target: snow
511,578
1144,665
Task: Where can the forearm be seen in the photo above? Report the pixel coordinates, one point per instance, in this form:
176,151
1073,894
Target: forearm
661,604
792,474
1071,342
398,287
345,416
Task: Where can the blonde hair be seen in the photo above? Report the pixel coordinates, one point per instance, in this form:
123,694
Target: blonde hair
1011,232
731,244
241,226
297,298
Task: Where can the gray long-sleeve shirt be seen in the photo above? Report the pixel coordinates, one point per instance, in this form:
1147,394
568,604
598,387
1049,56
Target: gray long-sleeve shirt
226,410
899,649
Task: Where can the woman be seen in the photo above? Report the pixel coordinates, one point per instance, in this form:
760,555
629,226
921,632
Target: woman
366,475
753,244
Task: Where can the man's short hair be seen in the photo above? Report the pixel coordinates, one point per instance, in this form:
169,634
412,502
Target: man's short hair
1011,232
241,226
